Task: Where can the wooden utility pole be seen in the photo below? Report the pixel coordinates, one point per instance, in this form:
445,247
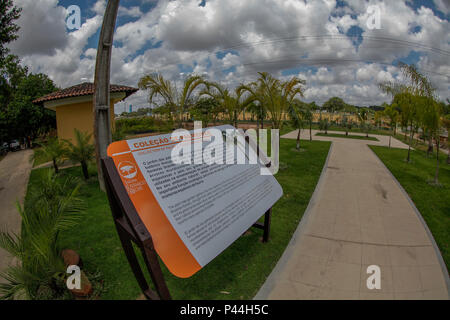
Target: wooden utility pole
102,117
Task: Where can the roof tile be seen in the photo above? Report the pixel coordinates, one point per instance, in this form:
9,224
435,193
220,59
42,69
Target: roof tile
82,89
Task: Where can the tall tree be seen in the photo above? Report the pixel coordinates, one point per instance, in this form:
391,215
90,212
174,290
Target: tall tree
334,104
296,111
81,150
206,110
391,112
274,95
54,149
411,96
8,28
233,103
165,91
446,124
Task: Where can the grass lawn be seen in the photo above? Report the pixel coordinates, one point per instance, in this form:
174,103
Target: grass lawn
237,273
355,130
433,202
338,135
417,144
40,159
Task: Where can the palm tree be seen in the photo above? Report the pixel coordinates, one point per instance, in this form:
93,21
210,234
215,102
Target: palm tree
297,115
308,115
54,150
274,95
324,125
409,97
177,101
432,121
55,208
391,112
257,109
232,103
346,124
81,151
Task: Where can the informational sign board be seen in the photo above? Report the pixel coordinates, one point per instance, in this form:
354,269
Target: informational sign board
192,211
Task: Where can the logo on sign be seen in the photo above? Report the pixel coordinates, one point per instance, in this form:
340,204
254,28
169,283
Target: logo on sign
127,170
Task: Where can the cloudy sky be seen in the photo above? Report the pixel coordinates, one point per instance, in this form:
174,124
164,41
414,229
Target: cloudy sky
326,42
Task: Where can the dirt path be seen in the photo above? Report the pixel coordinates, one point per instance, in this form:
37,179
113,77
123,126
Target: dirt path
14,174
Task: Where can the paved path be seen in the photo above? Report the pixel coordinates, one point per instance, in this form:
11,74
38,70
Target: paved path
14,174
358,216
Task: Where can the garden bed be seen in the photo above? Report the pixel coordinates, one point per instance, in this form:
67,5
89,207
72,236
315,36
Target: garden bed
350,136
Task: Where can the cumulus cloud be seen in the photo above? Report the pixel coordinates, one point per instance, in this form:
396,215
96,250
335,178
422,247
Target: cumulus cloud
133,12
307,38
47,21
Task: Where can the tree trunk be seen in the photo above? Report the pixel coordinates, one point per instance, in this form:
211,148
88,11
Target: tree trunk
390,141
436,175
55,166
102,125
84,167
409,145
298,139
448,148
310,131
430,145
261,116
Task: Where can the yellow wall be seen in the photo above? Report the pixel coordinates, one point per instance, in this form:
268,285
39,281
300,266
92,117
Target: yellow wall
79,116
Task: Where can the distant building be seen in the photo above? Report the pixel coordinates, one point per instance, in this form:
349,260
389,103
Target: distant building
74,107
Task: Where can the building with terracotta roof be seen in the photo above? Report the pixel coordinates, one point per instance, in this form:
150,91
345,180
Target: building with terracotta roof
74,107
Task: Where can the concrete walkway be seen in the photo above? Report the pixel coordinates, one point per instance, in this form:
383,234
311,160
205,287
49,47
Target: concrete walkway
358,216
14,174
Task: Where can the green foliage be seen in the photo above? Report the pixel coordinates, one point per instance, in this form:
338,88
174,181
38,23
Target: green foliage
54,150
334,104
81,151
231,103
52,207
258,111
392,113
205,110
274,95
8,28
18,114
177,101
297,114
324,125
142,125
352,136
19,118
346,124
